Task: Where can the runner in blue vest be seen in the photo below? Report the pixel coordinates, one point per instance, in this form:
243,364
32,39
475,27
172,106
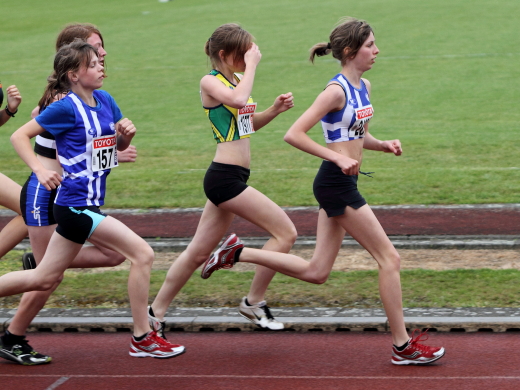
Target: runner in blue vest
88,127
37,204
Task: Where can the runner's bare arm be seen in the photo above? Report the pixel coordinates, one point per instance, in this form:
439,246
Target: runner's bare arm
21,140
281,104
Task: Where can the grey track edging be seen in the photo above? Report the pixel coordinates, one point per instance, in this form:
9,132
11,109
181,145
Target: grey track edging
298,324
400,242
295,319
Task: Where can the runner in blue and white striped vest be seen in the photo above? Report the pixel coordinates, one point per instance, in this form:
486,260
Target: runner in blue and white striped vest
348,123
82,186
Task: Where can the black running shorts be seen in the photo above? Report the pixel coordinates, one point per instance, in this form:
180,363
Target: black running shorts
223,182
334,190
77,223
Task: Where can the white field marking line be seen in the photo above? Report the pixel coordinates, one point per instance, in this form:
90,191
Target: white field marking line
271,377
58,383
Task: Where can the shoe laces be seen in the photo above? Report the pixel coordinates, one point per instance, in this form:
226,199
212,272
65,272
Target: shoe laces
162,341
421,336
24,346
267,312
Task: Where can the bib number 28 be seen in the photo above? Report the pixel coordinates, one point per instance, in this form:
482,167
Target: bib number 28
104,153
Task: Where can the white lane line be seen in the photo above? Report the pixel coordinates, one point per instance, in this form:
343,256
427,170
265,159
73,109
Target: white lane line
58,383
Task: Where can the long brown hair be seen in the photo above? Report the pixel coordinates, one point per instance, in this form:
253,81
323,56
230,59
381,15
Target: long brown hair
349,33
69,34
231,38
69,58
77,30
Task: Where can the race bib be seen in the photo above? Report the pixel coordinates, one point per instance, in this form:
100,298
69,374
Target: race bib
245,119
363,115
104,153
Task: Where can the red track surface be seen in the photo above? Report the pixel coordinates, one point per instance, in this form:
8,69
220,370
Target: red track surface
395,221
265,361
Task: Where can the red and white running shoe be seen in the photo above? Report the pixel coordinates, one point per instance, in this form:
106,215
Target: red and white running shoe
154,346
416,353
224,257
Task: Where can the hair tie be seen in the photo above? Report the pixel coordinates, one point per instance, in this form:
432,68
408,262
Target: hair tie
329,46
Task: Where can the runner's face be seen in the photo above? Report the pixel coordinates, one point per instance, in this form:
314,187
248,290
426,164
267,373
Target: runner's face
235,65
91,77
366,56
95,40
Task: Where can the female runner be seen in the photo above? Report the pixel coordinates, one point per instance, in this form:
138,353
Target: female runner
15,231
226,98
344,110
88,127
36,204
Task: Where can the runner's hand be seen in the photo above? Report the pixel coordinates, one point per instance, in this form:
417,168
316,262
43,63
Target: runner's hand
127,155
48,178
393,146
13,98
284,102
348,165
126,128
253,55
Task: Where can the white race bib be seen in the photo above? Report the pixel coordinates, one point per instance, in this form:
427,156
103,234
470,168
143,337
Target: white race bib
104,153
245,119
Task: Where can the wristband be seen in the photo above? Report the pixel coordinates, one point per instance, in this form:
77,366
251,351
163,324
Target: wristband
9,112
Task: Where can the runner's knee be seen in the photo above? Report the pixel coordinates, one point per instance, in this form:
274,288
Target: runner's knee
315,275
287,237
144,257
318,277
391,262
45,282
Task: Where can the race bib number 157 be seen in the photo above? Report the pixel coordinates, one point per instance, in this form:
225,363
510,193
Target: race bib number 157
104,153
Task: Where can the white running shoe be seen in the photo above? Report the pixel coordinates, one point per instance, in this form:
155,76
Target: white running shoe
260,315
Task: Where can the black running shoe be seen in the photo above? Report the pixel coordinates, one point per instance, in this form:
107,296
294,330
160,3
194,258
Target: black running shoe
28,261
23,353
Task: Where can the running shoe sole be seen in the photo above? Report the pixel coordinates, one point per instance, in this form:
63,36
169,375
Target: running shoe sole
142,354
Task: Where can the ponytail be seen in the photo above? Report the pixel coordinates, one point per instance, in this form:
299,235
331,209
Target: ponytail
320,50
349,34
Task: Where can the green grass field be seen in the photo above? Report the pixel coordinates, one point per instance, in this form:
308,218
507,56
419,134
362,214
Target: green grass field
421,288
442,83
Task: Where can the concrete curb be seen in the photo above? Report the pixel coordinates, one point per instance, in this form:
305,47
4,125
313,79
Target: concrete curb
400,242
295,319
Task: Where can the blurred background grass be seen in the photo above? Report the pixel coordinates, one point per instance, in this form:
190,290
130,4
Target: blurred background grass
442,84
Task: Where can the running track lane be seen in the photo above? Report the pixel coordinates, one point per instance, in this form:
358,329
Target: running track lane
261,360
